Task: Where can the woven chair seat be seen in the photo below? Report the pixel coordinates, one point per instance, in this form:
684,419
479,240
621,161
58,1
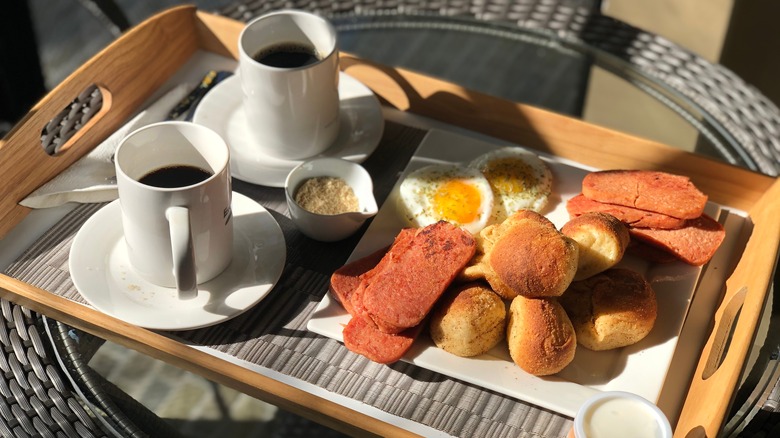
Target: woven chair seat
47,389
35,396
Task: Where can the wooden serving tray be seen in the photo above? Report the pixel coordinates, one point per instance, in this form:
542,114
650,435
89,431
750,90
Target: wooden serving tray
130,70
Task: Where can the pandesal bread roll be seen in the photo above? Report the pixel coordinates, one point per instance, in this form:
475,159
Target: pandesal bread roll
541,338
602,240
526,255
468,320
611,310
474,271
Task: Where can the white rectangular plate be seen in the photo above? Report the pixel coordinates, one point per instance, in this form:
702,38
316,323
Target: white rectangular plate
640,368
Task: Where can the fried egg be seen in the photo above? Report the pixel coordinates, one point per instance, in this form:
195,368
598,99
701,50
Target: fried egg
458,194
519,180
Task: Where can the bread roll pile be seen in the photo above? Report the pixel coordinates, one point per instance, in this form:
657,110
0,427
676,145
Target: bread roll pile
551,280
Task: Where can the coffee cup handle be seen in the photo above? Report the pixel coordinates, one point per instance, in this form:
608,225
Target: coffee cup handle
184,270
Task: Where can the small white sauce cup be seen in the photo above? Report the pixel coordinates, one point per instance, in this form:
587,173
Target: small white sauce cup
620,414
330,228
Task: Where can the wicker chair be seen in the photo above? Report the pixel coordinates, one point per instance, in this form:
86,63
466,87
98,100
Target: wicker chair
48,390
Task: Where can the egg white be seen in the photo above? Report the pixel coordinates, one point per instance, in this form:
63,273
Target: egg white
470,203
518,178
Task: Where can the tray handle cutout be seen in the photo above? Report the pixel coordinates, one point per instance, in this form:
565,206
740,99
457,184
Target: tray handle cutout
724,332
74,117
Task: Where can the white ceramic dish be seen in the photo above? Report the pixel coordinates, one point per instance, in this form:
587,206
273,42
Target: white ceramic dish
361,129
620,414
101,272
640,369
330,228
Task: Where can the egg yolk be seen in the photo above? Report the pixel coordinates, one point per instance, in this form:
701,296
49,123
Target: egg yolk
457,202
509,176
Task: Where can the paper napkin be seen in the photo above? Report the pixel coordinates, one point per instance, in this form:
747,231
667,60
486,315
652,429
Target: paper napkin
93,177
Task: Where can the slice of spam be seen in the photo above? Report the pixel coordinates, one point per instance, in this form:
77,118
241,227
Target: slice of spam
416,274
362,337
630,216
347,278
695,243
660,192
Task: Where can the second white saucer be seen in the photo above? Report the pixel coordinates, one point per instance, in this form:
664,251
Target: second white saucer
361,129
102,274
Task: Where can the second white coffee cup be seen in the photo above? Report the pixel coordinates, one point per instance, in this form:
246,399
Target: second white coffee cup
175,193
289,72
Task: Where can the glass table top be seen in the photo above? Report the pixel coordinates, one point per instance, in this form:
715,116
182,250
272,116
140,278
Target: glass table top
539,68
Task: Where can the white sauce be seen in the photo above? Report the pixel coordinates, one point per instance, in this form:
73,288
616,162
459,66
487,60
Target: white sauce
620,418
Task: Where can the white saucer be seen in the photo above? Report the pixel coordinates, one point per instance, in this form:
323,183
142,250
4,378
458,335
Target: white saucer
361,129
102,274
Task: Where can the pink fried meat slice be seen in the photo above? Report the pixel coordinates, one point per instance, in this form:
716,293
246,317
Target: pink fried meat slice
346,279
631,216
694,244
401,294
660,192
362,337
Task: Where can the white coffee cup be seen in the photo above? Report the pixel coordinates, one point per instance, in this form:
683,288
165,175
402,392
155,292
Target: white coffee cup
177,236
292,111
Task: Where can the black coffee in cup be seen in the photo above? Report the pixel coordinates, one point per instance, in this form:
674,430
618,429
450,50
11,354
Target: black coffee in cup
287,55
175,176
